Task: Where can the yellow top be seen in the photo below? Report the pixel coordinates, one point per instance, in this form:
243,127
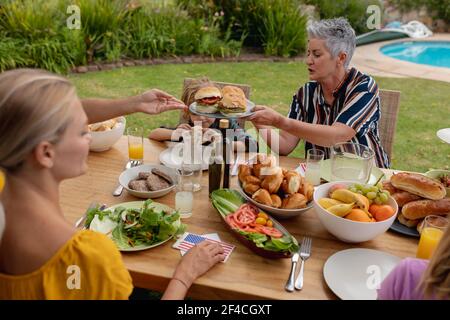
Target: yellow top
88,266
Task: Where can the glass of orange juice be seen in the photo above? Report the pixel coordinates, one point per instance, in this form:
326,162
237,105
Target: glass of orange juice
135,143
432,231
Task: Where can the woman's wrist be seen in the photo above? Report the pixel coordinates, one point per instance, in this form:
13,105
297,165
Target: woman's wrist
184,277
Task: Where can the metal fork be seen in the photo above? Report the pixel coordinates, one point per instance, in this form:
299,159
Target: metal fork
305,252
130,164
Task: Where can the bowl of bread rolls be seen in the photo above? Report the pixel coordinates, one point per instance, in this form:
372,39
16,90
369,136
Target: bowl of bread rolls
417,196
106,133
282,193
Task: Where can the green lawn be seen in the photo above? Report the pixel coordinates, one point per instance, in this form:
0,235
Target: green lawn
424,107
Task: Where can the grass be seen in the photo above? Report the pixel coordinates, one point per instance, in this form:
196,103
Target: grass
424,106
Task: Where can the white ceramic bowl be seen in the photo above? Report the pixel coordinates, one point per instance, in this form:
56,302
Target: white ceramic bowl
132,173
104,140
349,230
276,212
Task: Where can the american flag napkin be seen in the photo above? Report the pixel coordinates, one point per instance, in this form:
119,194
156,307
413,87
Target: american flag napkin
301,169
189,240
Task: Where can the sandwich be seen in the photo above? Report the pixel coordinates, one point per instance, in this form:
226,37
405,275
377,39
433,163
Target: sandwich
207,99
233,102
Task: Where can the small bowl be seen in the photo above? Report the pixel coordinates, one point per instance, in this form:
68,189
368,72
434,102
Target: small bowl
276,212
348,230
104,140
132,173
435,174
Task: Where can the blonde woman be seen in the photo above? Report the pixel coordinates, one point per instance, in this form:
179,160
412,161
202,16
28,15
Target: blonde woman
43,141
417,279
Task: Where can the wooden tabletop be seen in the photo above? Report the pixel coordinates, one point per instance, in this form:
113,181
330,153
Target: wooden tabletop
245,275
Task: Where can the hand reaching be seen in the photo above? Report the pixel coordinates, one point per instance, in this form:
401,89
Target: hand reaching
156,101
264,116
198,260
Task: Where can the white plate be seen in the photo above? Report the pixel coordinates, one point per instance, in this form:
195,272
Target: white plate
218,114
173,157
353,274
444,134
326,172
138,205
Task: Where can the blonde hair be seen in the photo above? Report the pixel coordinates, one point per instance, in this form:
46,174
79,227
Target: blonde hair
34,107
188,95
435,281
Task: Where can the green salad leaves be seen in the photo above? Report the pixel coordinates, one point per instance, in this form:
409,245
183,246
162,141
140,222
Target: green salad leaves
136,227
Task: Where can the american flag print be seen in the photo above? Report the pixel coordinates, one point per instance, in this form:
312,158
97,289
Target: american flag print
189,240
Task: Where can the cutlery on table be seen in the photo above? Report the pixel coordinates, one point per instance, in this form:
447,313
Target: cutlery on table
130,164
305,252
82,219
290,283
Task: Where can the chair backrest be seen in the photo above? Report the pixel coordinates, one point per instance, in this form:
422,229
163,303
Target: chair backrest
390,103
246,88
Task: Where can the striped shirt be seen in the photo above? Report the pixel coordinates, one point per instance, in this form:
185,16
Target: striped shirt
356,104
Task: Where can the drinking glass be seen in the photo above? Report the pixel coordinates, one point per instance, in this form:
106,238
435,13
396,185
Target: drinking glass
193,155
135,143
184,196
314,158
351,161
432,231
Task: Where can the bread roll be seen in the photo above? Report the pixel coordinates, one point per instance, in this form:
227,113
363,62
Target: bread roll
243,171
273,182
419,184
422,208
291,182
307,189
403,197
251,184
407,222
262,196
276,200
387,185
294,201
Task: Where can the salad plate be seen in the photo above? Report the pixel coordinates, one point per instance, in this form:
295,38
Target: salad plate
136,225
243,220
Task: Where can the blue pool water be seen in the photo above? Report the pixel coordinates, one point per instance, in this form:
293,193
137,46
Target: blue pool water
434,53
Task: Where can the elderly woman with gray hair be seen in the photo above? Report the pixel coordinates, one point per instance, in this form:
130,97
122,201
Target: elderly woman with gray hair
339,104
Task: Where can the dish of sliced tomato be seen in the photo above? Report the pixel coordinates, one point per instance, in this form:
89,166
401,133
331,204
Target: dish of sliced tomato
244,219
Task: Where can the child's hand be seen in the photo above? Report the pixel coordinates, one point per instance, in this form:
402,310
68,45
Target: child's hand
179,131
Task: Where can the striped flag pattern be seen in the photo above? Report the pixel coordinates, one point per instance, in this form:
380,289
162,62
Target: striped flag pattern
189,240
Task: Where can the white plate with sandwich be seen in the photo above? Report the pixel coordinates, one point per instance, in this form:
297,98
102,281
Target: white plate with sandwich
230,102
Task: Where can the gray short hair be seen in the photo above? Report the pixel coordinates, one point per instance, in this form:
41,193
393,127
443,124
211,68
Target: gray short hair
338,34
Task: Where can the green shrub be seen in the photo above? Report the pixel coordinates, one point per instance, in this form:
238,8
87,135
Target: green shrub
275,25
12,54
353,10
440,9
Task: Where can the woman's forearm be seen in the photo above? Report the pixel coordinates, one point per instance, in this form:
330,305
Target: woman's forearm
176,290
282,141
322,135
103,109
161,134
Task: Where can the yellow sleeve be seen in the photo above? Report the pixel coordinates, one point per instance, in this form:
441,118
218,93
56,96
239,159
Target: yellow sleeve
93,270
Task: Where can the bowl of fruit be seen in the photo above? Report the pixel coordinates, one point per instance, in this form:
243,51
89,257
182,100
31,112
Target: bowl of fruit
354,212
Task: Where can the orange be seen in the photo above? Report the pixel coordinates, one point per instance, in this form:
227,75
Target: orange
381,211
358,215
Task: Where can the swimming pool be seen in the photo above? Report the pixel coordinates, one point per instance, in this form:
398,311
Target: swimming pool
434,53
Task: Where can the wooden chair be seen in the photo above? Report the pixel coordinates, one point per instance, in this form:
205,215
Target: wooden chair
244,87
390,103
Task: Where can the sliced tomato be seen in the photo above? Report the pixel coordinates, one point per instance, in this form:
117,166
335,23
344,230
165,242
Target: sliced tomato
211,100
270,231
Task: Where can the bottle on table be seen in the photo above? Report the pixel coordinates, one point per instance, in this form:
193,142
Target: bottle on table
215,167
224,124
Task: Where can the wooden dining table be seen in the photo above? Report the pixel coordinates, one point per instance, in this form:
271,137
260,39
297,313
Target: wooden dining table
244,275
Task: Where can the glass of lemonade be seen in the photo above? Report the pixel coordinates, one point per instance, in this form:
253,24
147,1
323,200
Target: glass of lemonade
135,143
314,159
351,161
184,197
432,231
